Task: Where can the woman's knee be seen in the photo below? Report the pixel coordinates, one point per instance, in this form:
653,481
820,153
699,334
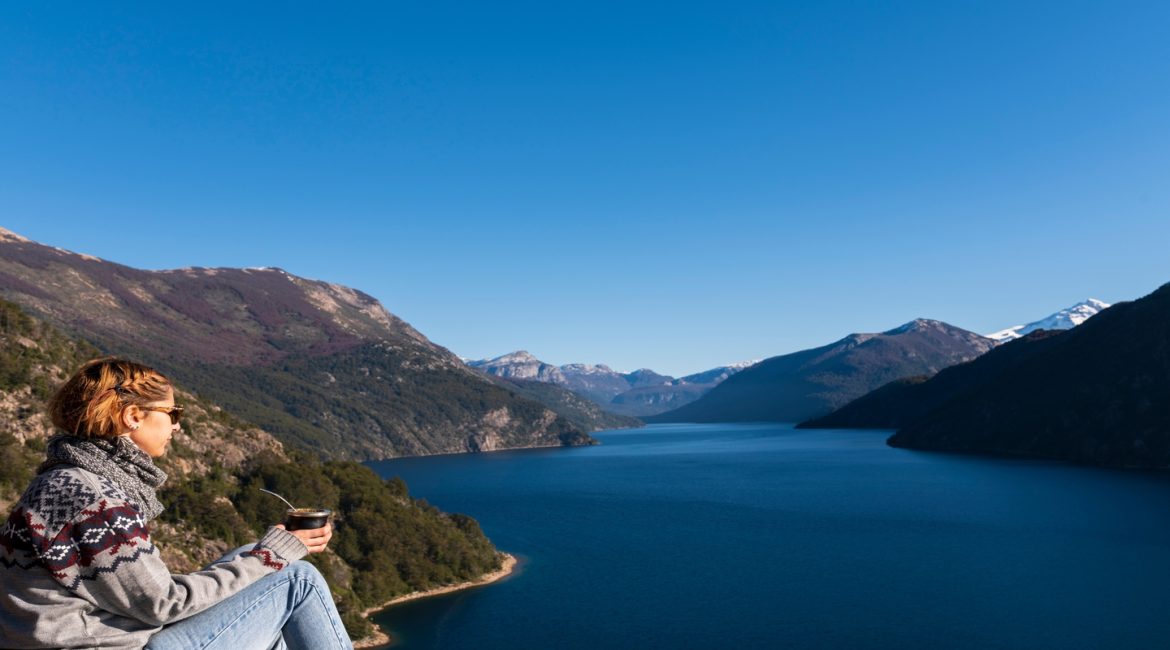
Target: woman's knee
304,579
305,571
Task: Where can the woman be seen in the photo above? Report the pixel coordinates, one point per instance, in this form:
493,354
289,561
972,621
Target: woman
77,565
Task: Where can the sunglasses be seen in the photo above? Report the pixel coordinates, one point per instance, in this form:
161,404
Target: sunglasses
174,411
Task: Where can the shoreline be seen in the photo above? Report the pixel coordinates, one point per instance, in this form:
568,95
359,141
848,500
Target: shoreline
380,638
490,451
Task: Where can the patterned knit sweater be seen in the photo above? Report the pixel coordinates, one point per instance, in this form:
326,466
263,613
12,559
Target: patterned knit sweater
78,569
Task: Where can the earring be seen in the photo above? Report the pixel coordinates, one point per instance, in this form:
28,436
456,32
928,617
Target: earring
133,427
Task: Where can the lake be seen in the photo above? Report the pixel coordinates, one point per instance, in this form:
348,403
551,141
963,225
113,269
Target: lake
763,536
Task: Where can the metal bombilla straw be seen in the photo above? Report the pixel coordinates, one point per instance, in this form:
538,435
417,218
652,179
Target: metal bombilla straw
291,506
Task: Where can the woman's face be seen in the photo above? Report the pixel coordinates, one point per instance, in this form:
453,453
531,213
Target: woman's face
154,427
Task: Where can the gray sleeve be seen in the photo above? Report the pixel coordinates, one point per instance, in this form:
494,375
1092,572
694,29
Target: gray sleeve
118,568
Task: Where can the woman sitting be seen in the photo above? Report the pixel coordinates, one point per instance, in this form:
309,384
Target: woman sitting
77,565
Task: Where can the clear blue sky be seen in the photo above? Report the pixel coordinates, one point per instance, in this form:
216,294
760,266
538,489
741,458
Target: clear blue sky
672,185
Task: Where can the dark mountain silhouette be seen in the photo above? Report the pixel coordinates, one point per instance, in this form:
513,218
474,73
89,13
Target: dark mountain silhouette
811,383
1099,393
319,365
903,401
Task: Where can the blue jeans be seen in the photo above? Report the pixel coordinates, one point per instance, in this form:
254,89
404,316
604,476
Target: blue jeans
290,609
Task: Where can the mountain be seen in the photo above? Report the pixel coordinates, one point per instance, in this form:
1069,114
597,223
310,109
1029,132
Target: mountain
581,412
1094,394
661,397
645,377
717,375
520,365
637,393
811,383
652,400
1062,320
595,382
384,541
321,366
903,401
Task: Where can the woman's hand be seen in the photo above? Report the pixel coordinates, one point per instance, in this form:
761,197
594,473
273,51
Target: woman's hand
316,539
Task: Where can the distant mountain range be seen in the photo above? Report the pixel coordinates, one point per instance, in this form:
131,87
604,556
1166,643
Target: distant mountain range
811,383
321,366
1062,320
327,368
1095,394
638,393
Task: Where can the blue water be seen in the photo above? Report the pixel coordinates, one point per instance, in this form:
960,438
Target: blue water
762,536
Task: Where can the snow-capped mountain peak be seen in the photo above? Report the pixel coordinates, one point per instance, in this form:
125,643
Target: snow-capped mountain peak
740,365
1064,319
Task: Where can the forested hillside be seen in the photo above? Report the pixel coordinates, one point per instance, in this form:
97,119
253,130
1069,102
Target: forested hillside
386,543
